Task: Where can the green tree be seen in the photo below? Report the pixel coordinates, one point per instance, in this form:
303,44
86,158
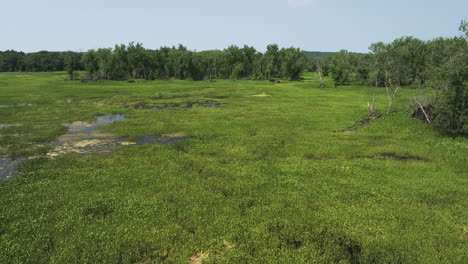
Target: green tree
72,63
292,63
234,62
464,27
138,61
448,78
272,62
341,67
90,63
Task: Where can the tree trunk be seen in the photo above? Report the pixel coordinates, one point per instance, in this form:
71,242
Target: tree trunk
392,98
320,74
424,112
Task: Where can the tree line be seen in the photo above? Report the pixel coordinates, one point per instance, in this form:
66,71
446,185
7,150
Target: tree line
438,68
133,61
42,61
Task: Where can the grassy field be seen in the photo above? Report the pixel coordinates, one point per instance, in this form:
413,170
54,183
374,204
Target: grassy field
285,178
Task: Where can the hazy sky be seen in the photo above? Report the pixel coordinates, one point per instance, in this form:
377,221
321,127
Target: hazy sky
323,25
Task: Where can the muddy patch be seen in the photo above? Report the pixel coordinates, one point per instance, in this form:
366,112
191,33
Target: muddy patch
198,258
391,155
85,137
171,106
261,95
212,104
227,245
394,156
158,140
8,167
176,135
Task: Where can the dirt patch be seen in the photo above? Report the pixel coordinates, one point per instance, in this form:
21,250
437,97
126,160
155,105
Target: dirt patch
127,143
198,258
227,245
172,105
89,143
262,95
176,134
392,155
395,156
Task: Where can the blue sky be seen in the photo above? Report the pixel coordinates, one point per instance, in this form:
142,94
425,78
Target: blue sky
323,25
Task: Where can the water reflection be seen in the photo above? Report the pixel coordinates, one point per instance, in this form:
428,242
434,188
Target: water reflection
84,137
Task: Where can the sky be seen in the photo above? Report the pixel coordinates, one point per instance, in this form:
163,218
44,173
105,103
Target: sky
312,25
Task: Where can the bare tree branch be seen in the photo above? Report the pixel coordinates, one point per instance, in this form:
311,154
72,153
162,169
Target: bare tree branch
424,112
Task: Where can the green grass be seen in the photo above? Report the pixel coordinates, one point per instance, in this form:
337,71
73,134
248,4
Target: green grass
262,180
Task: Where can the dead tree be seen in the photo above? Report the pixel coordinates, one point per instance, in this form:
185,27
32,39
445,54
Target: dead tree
320,75
392,87
424,112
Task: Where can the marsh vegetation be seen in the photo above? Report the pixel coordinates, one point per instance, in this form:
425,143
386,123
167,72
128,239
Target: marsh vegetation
235,156
274,173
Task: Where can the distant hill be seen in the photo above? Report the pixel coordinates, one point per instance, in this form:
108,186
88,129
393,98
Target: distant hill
325,54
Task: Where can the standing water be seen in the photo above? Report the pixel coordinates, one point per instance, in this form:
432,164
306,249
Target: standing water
8,167
84,137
